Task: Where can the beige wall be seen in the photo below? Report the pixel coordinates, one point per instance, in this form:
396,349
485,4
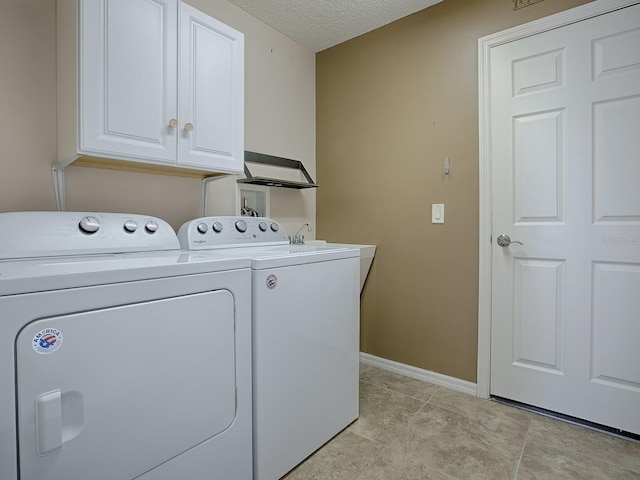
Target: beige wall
27,104
279,120
391,105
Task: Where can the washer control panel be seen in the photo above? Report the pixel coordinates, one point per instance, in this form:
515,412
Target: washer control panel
45,234
222,232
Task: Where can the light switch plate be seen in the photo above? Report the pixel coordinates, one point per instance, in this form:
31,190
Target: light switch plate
437,213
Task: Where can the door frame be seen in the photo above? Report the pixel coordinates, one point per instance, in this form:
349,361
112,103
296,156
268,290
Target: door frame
485,44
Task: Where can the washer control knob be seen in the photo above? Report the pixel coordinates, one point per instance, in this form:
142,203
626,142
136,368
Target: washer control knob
241,226
274,227
151,226
130,226
262,226
217,227
89,225
202,228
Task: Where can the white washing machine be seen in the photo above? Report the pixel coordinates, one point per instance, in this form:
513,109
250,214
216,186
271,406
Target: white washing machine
306,325
121,356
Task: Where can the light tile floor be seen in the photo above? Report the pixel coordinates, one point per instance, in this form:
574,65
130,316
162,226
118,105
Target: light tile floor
412,430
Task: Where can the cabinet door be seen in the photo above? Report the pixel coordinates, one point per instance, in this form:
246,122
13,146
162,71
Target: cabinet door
128,79
211,93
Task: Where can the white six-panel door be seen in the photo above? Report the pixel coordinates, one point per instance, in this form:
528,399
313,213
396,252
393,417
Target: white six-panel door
565,143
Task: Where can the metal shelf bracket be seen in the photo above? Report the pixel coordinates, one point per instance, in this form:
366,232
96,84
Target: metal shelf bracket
205,191
59,183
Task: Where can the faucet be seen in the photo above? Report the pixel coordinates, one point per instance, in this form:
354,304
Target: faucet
297,238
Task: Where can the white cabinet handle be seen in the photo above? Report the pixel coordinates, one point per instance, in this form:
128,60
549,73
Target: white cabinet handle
188,127
49,423
173,123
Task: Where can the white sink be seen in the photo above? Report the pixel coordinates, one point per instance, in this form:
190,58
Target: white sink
367,252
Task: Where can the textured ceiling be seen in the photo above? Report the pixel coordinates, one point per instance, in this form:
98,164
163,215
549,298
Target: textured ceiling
320,24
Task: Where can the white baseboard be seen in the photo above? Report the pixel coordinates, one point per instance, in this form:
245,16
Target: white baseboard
419,374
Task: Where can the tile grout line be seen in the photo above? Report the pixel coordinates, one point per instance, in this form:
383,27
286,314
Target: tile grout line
414,416
398,391
419,410
526,439
410,419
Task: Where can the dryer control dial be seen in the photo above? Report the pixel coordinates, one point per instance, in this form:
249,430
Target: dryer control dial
217,227
89,225
275,227
151,226
262,226
241,226
202,228
130,226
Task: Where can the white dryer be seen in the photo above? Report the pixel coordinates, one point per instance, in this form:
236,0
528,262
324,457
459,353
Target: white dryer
121,356
306,325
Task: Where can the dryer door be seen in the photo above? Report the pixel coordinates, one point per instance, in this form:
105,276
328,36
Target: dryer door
111,393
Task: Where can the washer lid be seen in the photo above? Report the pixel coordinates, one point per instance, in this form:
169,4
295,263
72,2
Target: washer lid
290,255
55,273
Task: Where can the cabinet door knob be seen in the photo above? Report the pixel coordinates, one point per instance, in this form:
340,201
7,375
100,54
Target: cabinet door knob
188,127
173,123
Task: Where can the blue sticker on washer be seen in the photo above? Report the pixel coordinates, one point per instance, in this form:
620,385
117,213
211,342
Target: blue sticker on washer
47,340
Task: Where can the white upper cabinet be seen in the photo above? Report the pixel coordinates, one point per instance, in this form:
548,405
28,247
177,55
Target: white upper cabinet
211,92
155,82
128,79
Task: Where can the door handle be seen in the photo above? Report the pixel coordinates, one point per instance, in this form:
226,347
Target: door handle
59,419
49,423
504,240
